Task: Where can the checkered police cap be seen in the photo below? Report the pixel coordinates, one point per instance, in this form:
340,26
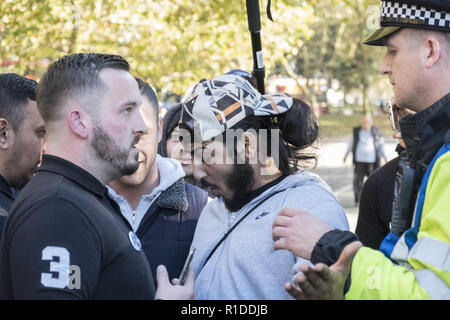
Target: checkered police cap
218,104
422,14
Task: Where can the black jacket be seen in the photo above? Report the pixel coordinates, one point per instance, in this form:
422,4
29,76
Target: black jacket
167,229
375,209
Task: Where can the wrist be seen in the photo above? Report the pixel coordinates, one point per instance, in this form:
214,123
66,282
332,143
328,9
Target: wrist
329,247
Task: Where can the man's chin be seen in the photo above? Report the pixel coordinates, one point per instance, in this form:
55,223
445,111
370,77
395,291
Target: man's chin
129,168
235,204
135,178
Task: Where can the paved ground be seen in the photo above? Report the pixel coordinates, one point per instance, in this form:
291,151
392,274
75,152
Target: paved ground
339,175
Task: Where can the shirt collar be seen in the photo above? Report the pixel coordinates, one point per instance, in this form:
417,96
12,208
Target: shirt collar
424,131
73,172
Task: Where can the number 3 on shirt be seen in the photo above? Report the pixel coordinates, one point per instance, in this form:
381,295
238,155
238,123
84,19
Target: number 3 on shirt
62,267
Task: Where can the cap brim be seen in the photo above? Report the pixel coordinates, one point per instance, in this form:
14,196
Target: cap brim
377,37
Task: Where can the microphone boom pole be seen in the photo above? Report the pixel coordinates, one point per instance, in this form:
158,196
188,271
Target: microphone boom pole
254,25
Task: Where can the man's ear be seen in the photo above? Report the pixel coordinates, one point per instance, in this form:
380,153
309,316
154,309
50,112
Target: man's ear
433,51
6,134
78,123
159,128
248,147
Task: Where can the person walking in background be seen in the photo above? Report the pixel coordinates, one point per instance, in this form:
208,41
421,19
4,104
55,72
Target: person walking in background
367,146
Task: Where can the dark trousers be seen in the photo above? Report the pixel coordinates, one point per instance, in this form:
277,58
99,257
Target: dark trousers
361,170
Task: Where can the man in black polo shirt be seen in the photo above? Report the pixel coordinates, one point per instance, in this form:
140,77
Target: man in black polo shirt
21,136
65,239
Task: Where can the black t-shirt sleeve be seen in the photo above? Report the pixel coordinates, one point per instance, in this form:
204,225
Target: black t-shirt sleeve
369,227
375,210
55,253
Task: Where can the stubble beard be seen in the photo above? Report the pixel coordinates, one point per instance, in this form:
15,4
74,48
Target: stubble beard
113,155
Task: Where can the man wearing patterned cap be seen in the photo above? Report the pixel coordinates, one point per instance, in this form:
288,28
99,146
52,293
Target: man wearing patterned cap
247,151
414,262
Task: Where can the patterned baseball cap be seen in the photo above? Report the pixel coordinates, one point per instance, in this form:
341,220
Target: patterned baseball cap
218,104
422,14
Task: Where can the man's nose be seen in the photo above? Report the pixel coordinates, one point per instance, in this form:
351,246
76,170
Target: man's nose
385,67
140,126
43,146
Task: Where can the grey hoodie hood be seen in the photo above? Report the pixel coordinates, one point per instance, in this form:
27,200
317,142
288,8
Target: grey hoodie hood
170,174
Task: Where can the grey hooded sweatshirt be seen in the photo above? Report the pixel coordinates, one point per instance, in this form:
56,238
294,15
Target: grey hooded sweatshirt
245,266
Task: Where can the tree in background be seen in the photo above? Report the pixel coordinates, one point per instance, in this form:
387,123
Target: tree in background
175,43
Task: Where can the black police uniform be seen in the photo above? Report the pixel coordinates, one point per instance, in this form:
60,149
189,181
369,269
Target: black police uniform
64,239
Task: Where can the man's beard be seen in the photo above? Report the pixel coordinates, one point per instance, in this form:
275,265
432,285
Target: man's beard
111,153
241,181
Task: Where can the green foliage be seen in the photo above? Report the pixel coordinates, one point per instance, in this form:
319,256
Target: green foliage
174,43
338,125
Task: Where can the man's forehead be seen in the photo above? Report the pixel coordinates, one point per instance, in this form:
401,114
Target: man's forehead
394,39
122,85
116,79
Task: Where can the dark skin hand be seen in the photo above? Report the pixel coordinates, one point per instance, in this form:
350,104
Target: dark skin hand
322,282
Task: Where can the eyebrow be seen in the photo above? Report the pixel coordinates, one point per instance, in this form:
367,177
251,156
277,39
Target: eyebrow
129,104
388,43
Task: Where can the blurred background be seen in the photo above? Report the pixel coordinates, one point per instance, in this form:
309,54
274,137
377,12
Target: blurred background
312,50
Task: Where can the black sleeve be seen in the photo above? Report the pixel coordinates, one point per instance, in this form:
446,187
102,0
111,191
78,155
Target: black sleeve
54,253
330,245
329,248
369,227
375,210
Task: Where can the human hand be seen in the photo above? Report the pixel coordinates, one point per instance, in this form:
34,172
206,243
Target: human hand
322,282
298,231
174,291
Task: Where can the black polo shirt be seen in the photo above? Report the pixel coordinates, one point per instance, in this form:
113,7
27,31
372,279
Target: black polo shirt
64,239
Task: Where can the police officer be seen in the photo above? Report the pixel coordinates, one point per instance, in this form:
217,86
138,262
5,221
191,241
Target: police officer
65,239
415,263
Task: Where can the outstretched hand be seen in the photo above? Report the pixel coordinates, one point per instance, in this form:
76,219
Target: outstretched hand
174,291
322,282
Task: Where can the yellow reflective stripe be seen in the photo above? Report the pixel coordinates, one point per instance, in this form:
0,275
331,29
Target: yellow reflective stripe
433,252
435,287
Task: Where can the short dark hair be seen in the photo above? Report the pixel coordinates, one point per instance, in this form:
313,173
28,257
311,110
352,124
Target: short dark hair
147,90
73,75
15,91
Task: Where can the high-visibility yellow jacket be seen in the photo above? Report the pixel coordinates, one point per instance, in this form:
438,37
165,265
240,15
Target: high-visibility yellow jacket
424,272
